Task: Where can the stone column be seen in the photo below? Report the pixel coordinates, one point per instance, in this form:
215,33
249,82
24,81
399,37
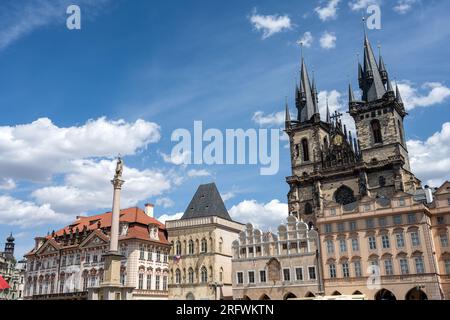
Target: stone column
114,238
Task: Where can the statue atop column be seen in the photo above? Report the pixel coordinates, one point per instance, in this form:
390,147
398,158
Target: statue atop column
119,169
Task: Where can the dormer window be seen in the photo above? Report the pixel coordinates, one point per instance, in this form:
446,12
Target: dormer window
401,202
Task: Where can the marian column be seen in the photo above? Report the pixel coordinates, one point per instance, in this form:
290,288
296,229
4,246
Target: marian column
111,287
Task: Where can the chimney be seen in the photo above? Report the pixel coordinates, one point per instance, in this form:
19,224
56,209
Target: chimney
428,194
149,209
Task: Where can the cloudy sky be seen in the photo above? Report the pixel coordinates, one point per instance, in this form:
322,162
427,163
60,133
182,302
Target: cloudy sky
137,70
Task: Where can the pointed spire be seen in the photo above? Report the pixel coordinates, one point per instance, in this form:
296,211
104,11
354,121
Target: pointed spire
398,97
328,113
389,86
288,116
373,88
351,95
382,67
315,96
307,106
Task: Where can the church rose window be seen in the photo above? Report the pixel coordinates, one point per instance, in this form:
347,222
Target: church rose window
344,195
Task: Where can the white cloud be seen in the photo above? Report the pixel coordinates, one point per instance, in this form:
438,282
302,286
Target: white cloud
336,103
177,159
328,40
357,5
198,173
37,150
328,12
167,217
265,216
434,93
430,159
307,39
403,6
165,202
21,213
87,187
270,24
19,18
273,119
7,184
227,195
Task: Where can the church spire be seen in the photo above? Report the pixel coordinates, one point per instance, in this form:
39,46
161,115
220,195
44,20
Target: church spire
306,106
382,67
398,97
372,84
328,113
288,116
351,95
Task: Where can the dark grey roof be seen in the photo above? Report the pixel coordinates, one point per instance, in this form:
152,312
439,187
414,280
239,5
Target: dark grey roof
373,88
206,202
308,107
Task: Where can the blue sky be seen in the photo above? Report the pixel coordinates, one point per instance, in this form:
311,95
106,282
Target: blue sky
71,100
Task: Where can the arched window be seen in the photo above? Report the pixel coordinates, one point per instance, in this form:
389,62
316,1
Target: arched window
305,150
178,248
204,275
220,245
204,246
191,247
376,131
308,208
221,275
178,276
191,275
325,143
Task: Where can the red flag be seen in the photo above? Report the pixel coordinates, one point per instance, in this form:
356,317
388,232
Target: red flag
3,284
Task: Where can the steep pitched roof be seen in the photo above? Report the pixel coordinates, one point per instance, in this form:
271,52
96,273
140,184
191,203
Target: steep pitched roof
206,202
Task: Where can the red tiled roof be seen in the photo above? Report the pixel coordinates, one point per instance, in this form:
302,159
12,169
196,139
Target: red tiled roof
130,215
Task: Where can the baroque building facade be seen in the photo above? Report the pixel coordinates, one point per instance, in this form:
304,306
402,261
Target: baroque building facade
202,248
381,233
280,266
69,262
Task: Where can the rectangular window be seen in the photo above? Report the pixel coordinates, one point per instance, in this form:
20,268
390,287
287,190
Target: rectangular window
157,281
240,278
149,282
330,246
88,258
385,241
287,274
312,273
343,245
401,202
341,227
357,265
382,222
412,218
141,281
404,266
352,225
122,278
251,277
142,254
366,207
372,243
345,270
299,274
415,239
400,240
333,212
63,261
440,220
262,276
447,266
94,258
388,267
397,219
165,283
355,244
420,268
158,256
332,270
444,240
328,228
369,223
150,256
